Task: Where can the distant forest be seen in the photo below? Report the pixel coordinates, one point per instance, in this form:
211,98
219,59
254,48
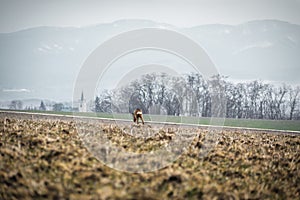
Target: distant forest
192,95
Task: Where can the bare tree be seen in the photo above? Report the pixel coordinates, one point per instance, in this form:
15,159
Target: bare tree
58,107
97,104
293,97
42,106
16,105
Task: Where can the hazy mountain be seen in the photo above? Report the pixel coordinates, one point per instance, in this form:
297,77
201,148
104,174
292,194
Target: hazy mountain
267,50
43,62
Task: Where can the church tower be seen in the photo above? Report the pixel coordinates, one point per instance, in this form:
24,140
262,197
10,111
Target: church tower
82,104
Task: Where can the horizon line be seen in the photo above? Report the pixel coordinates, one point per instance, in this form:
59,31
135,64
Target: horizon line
149,20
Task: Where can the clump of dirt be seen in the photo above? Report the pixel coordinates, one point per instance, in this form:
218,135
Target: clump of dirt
43,159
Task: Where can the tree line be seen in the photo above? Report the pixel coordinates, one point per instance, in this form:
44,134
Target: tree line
18,105
193,95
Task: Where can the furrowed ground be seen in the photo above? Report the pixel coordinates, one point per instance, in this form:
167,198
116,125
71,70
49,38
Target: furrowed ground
46,159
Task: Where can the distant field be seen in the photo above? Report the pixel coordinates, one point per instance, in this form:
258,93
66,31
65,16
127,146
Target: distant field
292,125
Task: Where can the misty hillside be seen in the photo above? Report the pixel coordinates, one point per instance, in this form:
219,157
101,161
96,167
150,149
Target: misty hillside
267,50
43,62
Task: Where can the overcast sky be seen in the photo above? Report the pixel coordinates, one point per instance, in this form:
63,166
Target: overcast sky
21,14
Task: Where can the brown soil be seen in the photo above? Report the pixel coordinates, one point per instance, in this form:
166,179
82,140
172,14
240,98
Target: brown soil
46,159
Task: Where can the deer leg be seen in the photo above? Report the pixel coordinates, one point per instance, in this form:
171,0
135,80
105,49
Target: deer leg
142,118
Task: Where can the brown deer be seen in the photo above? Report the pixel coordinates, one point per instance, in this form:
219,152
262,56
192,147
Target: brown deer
138,114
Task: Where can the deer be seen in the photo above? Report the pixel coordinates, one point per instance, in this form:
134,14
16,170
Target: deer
138,114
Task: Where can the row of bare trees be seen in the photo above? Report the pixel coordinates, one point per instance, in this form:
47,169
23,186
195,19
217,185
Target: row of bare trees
192,95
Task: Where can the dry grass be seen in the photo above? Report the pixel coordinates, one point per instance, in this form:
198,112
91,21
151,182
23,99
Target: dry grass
43,159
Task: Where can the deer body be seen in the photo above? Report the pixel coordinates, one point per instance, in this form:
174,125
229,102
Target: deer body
138,114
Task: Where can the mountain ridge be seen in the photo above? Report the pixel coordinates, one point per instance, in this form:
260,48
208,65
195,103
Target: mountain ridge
46,60
142,20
